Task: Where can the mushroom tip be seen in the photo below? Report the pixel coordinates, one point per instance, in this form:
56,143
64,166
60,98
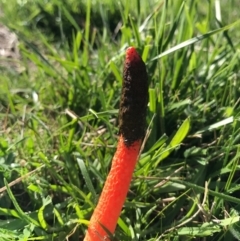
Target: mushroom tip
131,49
132,55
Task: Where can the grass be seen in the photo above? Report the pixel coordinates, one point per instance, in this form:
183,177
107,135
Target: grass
59,118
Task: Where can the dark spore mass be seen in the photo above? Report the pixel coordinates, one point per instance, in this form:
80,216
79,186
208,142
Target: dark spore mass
134,98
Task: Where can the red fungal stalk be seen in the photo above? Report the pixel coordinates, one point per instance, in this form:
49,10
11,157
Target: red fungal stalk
114,192
132,124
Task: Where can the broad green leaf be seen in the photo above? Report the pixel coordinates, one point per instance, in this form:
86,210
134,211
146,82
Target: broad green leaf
41,218
87,177
176,140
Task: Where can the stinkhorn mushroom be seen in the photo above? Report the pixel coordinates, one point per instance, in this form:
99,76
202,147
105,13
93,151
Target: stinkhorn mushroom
132,126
